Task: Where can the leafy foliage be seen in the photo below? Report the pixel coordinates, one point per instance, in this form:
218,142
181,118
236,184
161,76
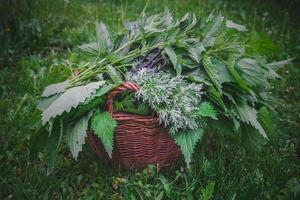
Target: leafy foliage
70,99
187,141
207,110
103,125
76,134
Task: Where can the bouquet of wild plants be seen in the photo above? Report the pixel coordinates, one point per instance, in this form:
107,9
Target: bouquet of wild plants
207,71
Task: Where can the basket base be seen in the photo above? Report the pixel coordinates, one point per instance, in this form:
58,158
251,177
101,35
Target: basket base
164,151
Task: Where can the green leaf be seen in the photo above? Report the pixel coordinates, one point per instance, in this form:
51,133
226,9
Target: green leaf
207,110
173,58
230,66
70,99
187,141
222,72
76,134
281,63
265,119
103,38
252,72
231,24
211,29
209,68
103,125
215,96
248,115
91,48
114,74
44,103
55,88
260,43
100,92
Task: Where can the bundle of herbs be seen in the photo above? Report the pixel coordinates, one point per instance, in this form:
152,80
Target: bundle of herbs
192,73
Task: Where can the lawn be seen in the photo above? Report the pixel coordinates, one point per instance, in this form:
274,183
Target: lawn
39,40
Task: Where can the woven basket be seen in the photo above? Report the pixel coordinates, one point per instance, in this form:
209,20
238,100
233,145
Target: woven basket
138,140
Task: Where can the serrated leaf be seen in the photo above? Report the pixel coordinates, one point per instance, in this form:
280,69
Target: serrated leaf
55,88
100,92
92,48
187,141
103,125
70,99
121,46
103,38
230,66
231,24
254,74
248,115
44,103
222,72
173,58
280,63
167,18
211,29
265,119
76,134
209,68
207,110
196,52
114,74
215,96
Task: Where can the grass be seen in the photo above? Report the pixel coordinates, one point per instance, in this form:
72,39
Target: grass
38,38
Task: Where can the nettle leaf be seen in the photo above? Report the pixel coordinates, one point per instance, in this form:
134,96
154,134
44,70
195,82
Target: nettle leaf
207,110
230,66
222,72
100,92
231,24
92,48
70,99
187,141
195,52
211,29
215,96
103,38
281,63
44,103
167,18
209,68
55,88
76,134
248,115
114,74
173,58
265,119
103,125
121,45
252,72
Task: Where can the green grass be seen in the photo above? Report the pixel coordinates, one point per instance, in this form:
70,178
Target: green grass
38,38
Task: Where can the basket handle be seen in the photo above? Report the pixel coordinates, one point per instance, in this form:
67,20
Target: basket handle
118,90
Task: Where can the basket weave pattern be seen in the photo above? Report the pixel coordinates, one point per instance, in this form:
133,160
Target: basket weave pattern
138,140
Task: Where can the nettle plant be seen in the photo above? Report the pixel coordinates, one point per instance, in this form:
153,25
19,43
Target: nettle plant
217,73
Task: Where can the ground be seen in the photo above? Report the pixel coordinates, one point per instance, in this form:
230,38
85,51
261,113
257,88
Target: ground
38,47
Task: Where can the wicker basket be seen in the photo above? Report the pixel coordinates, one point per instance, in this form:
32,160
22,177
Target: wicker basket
138,140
